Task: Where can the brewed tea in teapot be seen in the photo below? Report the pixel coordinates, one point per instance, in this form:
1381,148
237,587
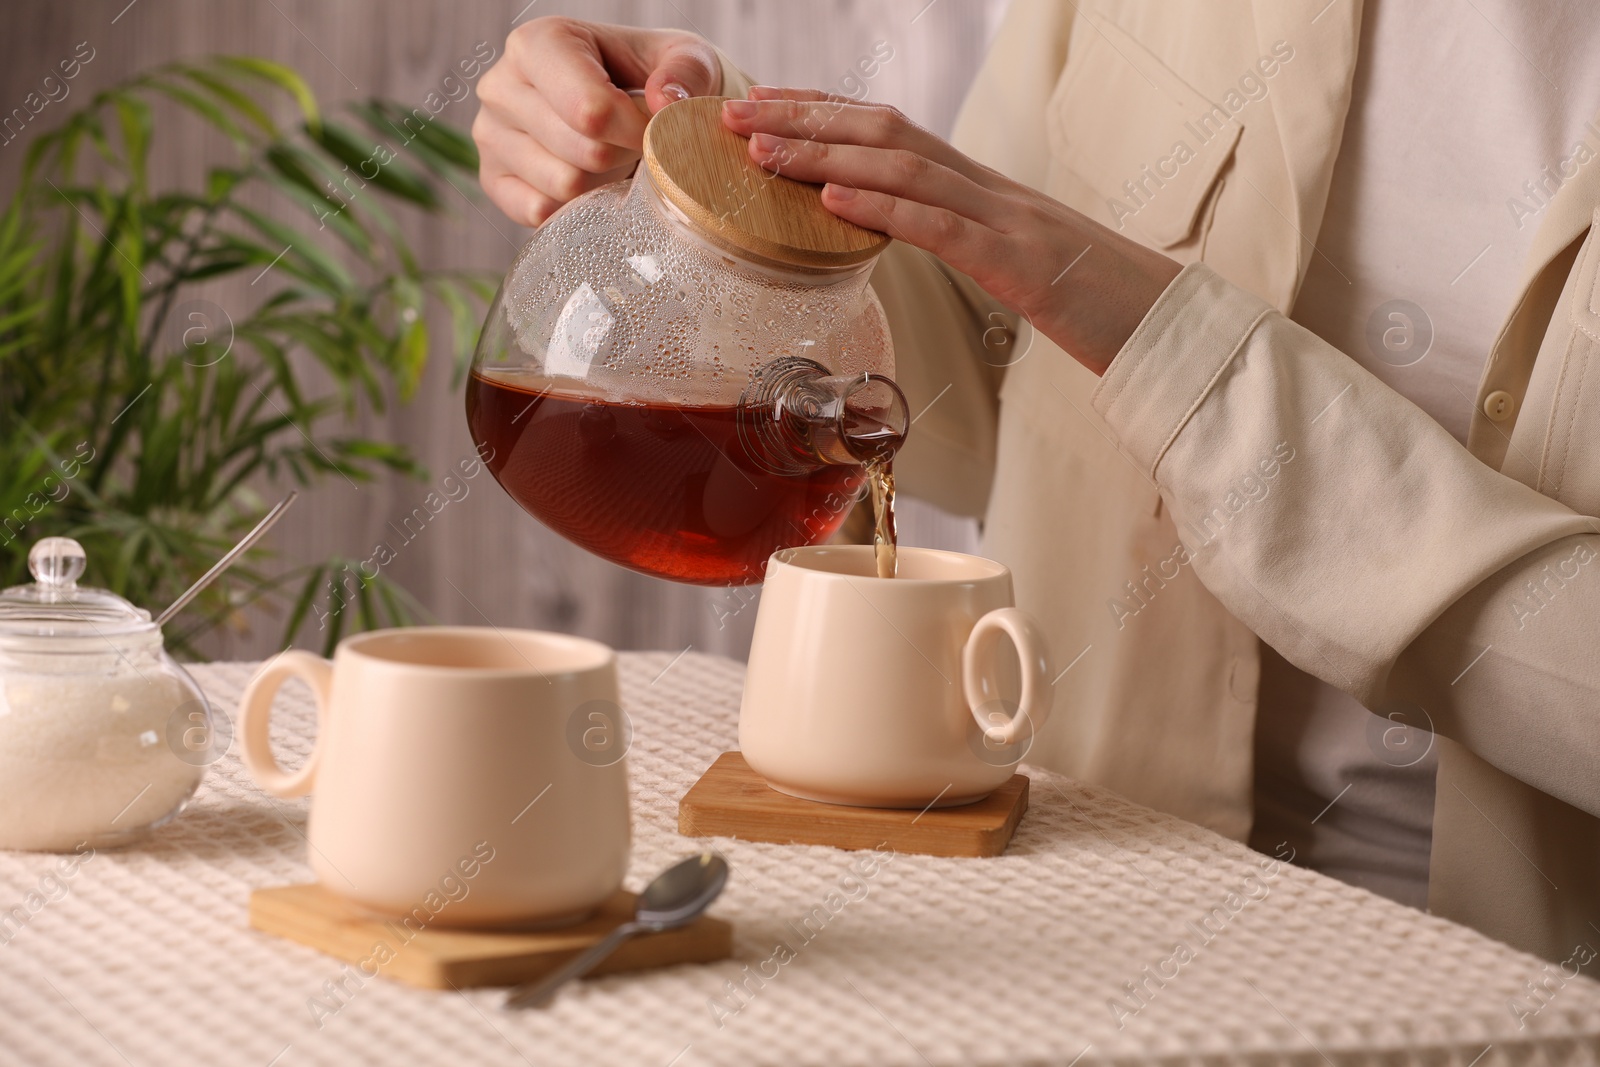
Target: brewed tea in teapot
687,371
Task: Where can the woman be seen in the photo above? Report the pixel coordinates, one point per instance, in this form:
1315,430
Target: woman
1274,443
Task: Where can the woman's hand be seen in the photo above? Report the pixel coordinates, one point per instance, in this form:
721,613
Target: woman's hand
556,119
1084,286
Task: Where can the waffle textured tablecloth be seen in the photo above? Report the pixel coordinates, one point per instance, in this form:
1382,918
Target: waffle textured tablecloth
1107,933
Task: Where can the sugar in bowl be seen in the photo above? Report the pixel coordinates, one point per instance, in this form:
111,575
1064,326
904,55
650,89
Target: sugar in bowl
102,735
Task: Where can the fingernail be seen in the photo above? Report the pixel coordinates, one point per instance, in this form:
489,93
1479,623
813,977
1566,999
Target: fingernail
763,92
740,109
764,142
674,91
841,192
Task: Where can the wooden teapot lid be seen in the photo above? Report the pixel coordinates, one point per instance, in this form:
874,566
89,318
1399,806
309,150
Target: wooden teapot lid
704,170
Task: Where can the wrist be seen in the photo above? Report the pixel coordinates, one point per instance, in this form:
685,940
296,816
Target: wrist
1095,305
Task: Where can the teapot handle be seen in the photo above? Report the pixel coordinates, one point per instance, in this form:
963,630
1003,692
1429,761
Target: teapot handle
1038,692
255,715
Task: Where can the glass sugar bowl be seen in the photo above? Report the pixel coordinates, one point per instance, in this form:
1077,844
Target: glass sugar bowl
102,735
687,371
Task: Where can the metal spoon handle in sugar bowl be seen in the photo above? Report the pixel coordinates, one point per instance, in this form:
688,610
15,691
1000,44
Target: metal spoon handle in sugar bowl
226,561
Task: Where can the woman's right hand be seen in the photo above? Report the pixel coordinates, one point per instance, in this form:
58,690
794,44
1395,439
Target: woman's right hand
555,118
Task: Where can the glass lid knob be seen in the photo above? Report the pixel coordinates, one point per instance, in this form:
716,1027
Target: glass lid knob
56,563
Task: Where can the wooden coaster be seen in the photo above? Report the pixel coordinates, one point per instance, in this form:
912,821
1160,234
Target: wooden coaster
437,958
731,800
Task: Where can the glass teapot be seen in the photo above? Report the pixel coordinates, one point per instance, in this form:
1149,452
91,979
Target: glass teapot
687,371
102,735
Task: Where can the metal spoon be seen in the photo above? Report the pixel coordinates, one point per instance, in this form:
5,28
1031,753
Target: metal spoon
227,561
676,898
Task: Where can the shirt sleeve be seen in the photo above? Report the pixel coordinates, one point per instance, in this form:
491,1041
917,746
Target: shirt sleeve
1359,539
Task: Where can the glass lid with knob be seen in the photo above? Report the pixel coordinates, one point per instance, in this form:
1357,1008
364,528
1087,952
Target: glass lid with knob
687,371
54,605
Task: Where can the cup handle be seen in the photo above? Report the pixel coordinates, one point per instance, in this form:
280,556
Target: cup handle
1034,655
255,714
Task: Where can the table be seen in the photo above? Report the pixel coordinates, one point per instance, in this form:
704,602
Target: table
1063,951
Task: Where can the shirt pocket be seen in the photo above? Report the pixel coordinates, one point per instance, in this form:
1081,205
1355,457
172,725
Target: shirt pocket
1133,145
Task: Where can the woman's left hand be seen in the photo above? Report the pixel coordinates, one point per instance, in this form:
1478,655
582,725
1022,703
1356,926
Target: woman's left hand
1083,285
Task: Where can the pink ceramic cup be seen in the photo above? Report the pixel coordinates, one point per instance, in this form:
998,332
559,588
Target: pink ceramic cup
461,771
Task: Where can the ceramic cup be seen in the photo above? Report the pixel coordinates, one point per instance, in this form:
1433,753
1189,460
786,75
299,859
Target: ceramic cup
445,776
890,692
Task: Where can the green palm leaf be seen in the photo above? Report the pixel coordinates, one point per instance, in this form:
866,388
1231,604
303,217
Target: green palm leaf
97,377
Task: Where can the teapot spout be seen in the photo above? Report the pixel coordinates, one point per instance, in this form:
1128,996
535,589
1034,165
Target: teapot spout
849,420
796,416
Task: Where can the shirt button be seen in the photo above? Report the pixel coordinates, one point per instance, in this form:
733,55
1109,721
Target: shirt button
1498,405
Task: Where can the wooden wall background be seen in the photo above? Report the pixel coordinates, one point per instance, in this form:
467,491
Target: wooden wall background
483,558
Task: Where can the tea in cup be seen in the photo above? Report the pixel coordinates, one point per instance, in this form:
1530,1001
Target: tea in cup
890,692
462,771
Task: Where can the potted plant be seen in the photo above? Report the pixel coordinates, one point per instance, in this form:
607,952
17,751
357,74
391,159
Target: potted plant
139,418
